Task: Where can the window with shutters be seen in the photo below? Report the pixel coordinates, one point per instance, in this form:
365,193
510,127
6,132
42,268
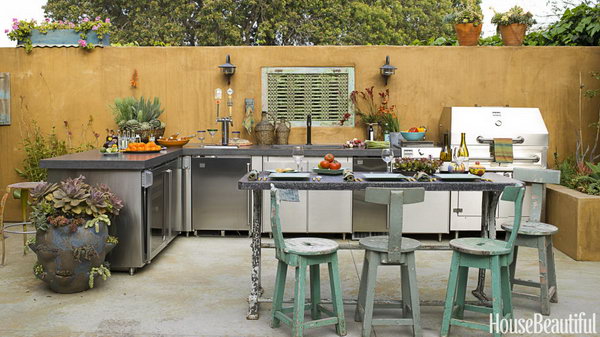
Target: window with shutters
294,93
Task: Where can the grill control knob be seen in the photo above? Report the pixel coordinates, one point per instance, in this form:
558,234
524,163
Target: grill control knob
498,123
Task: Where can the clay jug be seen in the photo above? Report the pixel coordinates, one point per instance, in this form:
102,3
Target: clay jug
282,131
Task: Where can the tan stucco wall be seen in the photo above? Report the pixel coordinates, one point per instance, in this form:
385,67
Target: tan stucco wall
56,84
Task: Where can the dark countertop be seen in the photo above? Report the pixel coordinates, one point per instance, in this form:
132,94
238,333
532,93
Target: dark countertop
337,183
93,159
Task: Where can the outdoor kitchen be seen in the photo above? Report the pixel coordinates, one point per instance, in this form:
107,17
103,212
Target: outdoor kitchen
306,190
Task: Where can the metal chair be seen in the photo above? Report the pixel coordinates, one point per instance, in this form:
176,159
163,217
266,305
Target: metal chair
482,253
536,234
392,250
301,253
23,188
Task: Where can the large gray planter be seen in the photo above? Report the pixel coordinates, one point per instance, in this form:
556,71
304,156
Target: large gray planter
66,258
65,37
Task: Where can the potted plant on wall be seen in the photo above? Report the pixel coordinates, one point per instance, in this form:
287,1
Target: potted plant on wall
513,25
467,22
139,116
368,111
388,119
86,33
71,242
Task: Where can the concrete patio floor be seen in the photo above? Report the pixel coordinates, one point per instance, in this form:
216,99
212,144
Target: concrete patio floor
199,285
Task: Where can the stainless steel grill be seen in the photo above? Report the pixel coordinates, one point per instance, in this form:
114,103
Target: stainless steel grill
481,125
524,126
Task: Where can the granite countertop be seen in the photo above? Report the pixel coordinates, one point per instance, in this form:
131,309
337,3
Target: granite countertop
497,183
93,159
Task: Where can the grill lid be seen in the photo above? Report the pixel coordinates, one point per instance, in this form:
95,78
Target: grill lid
482,124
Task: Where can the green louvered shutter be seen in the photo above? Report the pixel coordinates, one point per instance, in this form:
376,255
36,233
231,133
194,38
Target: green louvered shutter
323,92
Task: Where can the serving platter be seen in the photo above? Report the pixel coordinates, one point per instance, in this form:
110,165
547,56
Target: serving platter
328,171
289,176
384,176
457,176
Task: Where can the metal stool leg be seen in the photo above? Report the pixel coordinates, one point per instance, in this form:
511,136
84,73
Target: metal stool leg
24,199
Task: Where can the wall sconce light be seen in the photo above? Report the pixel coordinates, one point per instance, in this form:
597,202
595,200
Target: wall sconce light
387,70
228,69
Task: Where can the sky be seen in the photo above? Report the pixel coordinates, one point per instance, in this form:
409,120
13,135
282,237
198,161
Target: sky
32,9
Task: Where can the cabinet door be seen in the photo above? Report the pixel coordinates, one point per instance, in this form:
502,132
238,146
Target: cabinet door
330,211
430,216
292,214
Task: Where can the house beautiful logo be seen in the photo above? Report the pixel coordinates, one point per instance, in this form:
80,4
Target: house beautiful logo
575,324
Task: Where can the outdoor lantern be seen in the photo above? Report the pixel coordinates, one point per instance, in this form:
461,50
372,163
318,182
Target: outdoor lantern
387,70
228,69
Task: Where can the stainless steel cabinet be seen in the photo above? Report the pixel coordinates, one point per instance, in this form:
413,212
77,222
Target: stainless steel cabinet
294,214
217,203
330,211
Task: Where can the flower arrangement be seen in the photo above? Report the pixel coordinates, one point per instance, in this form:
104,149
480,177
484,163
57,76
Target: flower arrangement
73,203
22,29
370,112
514,15
470,12
426,165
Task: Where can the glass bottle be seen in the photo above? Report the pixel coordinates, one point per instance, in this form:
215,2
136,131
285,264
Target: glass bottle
446,153
463,153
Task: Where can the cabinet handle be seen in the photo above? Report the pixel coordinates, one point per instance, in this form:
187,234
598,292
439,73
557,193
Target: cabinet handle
167,183
249,201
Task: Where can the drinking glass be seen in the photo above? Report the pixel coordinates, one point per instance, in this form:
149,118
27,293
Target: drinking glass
298,155
201,136
212,133
387,155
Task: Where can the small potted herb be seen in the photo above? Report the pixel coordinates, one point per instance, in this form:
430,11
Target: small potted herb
513,25
412,166
467,22
71,242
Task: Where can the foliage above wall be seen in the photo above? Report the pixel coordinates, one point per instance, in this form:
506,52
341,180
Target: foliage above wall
22,29
257,22
579,26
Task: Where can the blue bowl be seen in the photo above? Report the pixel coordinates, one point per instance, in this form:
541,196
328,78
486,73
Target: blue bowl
413,136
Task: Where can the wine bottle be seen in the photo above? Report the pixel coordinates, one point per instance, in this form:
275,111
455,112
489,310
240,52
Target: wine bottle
463,151
446,153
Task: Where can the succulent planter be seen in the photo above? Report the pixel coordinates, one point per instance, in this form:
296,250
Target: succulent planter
576,216
69,261
513,34
65,37
467,34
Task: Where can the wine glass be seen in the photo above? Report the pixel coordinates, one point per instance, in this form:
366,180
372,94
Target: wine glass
201,136
212,133
298,155
387,155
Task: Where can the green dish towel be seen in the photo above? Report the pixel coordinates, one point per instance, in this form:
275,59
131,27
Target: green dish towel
503,150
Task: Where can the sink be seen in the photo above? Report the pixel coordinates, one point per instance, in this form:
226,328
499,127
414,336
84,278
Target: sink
309,147
220,146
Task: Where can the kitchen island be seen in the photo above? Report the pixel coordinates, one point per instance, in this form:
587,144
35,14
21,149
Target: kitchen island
491,189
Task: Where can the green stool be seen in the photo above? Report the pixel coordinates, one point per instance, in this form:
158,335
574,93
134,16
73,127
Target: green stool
301,253
538,235
482,253
391,250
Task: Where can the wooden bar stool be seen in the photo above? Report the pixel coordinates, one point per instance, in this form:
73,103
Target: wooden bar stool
300,253
482,253
536,234
23,189
392,250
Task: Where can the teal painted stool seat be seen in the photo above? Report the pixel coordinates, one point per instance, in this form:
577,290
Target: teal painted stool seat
392,250
538,235
482,253
301,253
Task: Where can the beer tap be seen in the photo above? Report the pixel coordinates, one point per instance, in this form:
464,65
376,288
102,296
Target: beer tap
226,120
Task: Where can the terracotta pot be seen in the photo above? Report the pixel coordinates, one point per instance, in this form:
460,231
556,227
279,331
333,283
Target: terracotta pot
467,33
513,34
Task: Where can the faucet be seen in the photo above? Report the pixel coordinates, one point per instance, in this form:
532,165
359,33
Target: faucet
308,129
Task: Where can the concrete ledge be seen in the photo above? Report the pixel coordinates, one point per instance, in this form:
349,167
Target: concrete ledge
577,215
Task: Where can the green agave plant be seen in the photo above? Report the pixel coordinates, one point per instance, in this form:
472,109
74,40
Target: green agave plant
137,114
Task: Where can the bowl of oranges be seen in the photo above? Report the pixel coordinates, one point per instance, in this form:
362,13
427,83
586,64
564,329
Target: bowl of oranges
149,147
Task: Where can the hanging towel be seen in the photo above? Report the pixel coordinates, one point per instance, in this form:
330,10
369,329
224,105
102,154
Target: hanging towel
248,121
289,195
503,150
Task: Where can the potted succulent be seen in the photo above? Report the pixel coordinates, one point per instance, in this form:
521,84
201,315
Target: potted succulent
513,25
366,108
467,22
139,116
388,119
71,242
86,34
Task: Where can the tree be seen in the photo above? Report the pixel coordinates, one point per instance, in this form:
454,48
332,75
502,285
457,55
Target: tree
261,22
